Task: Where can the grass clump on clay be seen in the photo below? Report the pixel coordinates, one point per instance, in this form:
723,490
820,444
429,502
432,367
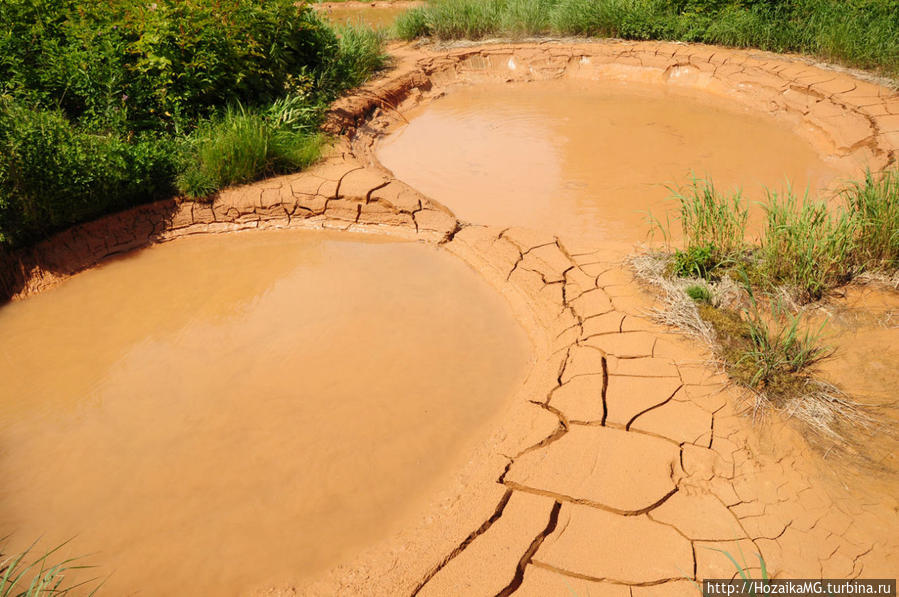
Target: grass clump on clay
745,297
862,33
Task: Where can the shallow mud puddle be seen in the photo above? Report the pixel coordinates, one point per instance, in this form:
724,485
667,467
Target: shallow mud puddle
862,328
586,158
378,15
218,413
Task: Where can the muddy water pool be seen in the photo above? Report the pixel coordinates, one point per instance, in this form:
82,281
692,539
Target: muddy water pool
220,412
378,15
590,159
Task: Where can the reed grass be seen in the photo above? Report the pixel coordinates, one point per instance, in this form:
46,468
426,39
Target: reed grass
875,205
245,145
713,226
862,33
42,576
807,247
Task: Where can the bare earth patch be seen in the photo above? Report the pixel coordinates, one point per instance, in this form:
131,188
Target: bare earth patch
623,464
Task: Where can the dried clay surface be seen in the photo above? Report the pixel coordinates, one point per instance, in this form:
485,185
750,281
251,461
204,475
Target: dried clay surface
624,466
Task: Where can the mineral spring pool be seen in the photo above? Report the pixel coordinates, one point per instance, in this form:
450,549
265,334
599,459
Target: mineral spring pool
219,412
588,158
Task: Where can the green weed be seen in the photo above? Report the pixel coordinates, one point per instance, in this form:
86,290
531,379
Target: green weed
875,204
41,577
806,246
770,352
245,145
713,226
699,293
412,24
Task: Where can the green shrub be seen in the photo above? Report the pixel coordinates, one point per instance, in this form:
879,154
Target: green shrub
53,174
156,64
103,102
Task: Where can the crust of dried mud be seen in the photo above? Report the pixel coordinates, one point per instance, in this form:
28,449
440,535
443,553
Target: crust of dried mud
623,463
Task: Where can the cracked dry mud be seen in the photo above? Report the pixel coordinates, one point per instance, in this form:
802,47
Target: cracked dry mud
622,466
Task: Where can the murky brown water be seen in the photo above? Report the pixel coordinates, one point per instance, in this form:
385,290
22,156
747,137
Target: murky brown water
378,15
586,158
222,412
863,328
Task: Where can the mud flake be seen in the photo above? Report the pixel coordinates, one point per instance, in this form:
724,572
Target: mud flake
489,562
699,516
580,399
541,582
629,345
610,468
679,421
626,397
628,549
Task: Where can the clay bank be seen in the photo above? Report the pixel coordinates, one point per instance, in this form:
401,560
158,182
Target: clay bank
603,455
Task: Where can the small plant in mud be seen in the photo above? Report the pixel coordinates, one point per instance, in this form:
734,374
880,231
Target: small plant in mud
20,576
806,247
770,352
713,226
699,293
875,203
756,328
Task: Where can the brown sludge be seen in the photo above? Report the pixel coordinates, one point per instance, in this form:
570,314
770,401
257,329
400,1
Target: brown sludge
592,160
222,411
623,465
374,14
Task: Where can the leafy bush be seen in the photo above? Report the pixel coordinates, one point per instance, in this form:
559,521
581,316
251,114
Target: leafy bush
53,174
156,64
103,103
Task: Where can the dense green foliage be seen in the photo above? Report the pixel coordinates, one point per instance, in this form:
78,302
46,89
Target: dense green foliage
105,104
862,33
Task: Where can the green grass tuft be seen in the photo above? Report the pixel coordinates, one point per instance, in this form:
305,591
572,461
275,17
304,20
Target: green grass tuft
713,226
875,204
862,33
412,24
806,246
245,145
20,576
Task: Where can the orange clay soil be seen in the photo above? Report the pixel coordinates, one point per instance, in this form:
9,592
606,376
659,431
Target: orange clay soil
375,14
622,463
